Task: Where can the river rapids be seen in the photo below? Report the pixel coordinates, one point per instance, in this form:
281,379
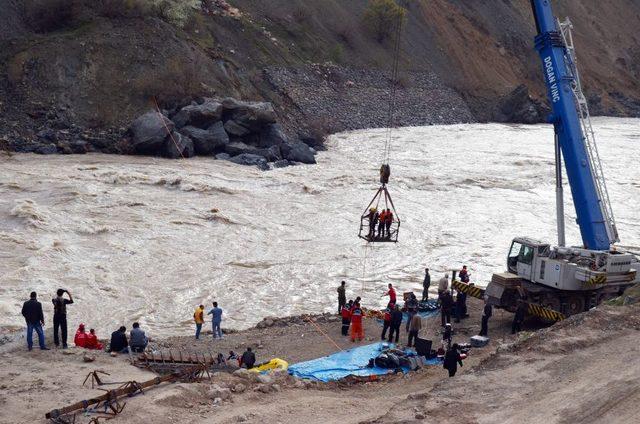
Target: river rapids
148,239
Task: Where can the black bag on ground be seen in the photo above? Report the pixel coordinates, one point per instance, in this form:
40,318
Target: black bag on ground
423,346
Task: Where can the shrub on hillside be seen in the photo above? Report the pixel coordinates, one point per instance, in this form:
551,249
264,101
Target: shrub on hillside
382,17
50,15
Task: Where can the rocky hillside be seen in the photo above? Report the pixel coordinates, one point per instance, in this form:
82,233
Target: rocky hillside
98,64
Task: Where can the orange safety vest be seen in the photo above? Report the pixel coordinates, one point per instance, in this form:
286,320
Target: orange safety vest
388,217
383,216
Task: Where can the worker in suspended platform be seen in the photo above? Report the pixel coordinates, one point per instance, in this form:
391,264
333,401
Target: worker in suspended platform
388,220
373,221
381,223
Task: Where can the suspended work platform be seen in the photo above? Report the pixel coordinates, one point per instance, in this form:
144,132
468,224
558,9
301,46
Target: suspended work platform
379,222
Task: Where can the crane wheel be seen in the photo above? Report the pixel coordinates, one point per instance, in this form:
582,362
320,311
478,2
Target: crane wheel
575,305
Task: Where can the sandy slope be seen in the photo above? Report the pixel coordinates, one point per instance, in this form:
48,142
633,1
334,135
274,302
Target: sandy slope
582,370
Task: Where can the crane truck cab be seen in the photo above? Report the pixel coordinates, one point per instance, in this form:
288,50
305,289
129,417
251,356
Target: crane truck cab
565,279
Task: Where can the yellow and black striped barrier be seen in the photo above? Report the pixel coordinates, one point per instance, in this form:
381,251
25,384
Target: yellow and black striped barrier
545,313
472,291
598,279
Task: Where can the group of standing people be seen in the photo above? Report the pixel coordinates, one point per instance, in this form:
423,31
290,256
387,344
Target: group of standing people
380,220
216,320
34,318
351,314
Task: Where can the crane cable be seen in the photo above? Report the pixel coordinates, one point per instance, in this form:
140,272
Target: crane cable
391,124
393,89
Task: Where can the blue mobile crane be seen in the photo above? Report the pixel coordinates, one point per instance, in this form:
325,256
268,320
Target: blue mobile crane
560,281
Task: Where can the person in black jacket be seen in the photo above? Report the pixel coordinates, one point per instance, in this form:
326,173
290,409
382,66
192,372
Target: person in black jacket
248,359
60,316
119,343
396,322
446,304
452,359
486,314
32,313
518,318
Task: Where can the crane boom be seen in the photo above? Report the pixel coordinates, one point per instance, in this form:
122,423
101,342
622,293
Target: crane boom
584,172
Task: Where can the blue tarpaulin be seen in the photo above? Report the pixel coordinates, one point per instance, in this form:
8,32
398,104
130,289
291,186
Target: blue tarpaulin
342,364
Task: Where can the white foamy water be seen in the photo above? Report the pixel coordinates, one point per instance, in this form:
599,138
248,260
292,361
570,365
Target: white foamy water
138,238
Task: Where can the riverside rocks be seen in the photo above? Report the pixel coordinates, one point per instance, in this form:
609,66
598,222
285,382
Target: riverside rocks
245,133
148,132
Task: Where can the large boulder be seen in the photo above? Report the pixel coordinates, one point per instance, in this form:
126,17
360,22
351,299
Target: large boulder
250,159
238,147
298,152
149,131
199,115
272,135
235,129
251,115
178,146
271,154
207,142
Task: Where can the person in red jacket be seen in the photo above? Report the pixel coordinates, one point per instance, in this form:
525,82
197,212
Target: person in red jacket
80,339
346,317
357,332
92,341
392,295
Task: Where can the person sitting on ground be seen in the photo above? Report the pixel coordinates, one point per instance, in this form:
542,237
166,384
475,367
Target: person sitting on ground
248,359
233,356
80,338
119,343
92,341
452,359
138,340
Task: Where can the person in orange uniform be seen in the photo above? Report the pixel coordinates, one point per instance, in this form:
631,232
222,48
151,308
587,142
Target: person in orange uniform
381,223
357,332
92,341
80,338
388,220
346,317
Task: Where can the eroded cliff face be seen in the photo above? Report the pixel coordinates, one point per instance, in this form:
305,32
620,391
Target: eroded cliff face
472,60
